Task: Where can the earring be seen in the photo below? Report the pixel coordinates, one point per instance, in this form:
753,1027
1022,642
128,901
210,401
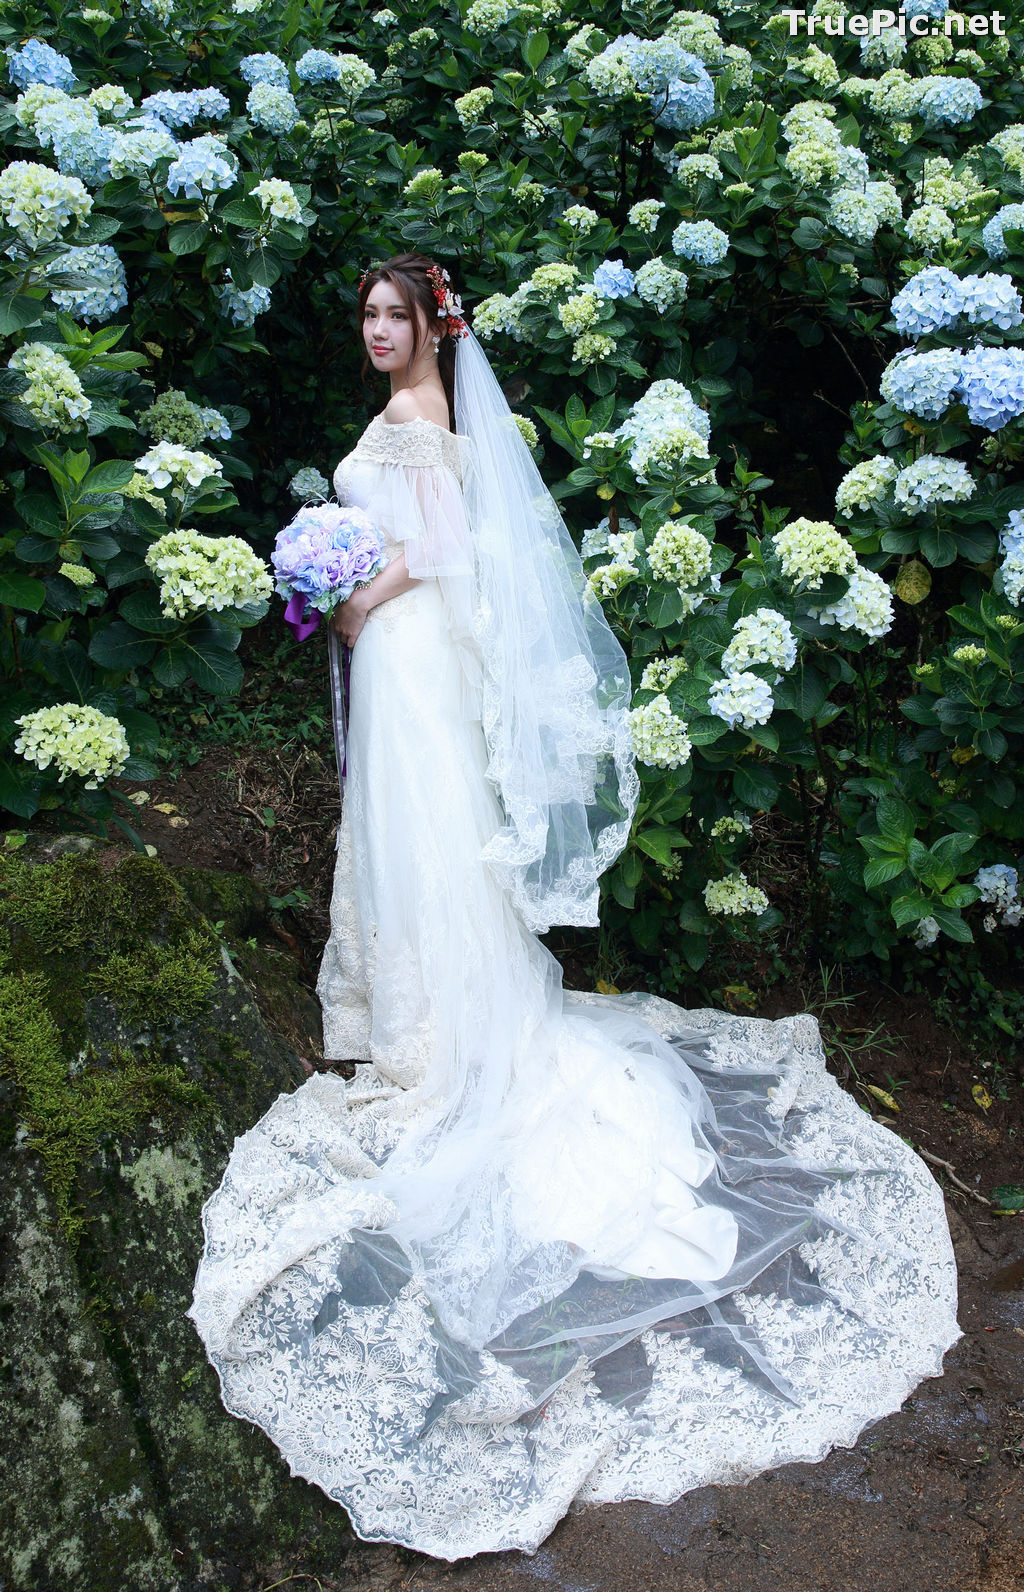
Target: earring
437,344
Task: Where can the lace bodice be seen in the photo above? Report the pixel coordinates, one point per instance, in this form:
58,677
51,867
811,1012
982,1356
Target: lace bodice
406,442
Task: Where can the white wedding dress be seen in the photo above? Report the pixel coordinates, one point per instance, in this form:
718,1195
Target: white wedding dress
545,1248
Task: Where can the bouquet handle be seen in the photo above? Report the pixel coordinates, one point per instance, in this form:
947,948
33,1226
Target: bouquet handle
339,669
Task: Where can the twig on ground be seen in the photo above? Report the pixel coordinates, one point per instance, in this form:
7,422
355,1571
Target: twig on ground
936,1160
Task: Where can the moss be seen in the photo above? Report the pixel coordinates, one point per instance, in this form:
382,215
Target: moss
66,1112
156,981
71,932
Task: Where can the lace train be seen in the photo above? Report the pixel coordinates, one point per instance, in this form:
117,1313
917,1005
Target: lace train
325,1336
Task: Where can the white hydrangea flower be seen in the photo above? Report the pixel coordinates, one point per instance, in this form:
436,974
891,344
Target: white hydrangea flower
644,215
39,203
742,698
54,396
197,573
660,284
550,280
580,218
470,107
927,933
932,479
679,554
78,739
580,311
499,313
734,897
929,225
592,346
999,886
609,579
866,484
659,674
730,827
764,637
279,198
77,574
692,170
166,464
660,737
811,549
866,605
665,426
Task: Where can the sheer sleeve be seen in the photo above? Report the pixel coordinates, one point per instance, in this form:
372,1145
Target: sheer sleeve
408,479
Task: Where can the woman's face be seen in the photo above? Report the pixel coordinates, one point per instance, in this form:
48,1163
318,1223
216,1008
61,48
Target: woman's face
389,331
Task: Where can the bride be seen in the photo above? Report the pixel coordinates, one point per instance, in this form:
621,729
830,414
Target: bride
545,1248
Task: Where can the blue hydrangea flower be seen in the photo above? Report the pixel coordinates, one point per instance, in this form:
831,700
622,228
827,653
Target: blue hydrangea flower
264,68
81,146
211,103
991,300
992,386
37,62
925,8
204,165
317,66
613,279
272,108
948,101
109,291
216,424
679,102
175,109
992,231
931,300
701,241
243,304
922,384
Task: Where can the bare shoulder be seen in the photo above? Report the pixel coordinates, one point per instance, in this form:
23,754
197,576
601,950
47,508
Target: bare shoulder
407,405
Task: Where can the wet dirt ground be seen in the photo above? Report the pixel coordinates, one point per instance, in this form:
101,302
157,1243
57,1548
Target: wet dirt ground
930,1499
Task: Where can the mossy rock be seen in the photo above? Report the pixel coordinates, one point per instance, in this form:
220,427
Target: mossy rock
132,1053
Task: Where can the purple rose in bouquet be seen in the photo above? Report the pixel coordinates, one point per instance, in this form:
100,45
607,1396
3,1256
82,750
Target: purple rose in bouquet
320,558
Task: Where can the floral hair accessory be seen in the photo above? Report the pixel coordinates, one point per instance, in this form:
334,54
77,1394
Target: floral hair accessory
449,305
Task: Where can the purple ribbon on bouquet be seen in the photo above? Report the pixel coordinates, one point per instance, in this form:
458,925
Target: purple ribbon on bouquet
294,616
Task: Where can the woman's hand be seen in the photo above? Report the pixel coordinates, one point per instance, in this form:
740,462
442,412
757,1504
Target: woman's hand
349,617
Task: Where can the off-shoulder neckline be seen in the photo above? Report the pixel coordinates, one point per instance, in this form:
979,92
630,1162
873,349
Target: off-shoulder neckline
417,420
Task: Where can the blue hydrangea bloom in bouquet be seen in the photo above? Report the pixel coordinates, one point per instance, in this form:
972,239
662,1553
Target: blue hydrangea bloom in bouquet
319,560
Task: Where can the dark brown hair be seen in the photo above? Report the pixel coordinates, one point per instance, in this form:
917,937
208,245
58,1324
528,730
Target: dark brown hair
408,273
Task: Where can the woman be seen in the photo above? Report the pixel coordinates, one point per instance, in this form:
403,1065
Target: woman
545,1247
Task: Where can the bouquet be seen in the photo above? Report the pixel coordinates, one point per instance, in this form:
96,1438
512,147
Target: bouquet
319,560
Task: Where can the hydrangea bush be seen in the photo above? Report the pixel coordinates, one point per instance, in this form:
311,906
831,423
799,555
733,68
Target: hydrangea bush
631,197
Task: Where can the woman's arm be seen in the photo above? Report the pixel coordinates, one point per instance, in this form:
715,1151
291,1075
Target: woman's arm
349,617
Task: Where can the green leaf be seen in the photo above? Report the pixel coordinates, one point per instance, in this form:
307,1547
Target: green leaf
113,475
21,591
535,48
213,669
880,870
895,819
19,788
142,609
756,788
121,647
188,236
1008,1197
919,710
952,924
18,310
664,606
992,743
